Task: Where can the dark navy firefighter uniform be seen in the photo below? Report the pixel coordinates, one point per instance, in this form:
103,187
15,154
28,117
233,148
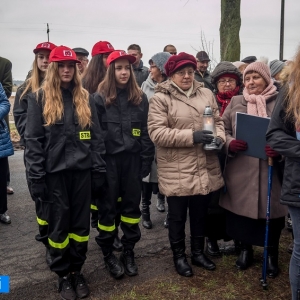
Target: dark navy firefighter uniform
62,160
129,153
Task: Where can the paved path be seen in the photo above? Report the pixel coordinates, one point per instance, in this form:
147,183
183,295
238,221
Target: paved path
23,259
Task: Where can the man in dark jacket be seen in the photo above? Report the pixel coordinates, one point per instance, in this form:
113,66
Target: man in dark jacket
201,74
141,72
7,83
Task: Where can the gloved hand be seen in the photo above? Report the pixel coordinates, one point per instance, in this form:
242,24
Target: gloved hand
270,152
203,136
145,170
98,180
218,142
38,190
237,145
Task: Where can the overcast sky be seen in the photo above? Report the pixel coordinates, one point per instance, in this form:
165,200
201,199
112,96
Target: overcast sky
152,24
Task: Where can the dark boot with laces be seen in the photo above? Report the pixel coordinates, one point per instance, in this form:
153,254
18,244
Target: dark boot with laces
127,258
79,285
65,288
113,265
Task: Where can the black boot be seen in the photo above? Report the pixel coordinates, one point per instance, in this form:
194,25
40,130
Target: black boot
113,265
146,216
127,258
179,257
166,221
160,204
245,258
117,244
212,247
272,267
198,257
48,256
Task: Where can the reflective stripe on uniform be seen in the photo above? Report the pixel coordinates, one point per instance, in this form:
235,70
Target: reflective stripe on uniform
65,243
130,220
41,222
94,207
62,245
119,199
106,228
79,238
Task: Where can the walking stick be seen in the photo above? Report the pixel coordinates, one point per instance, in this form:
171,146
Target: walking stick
263,280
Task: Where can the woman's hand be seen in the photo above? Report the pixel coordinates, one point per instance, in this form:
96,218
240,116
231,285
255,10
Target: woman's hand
203,136
237,145
270,152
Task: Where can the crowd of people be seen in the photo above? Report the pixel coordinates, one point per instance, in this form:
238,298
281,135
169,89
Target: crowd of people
100,137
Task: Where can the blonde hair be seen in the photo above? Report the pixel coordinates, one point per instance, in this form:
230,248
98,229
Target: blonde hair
53,102
32,84
293,95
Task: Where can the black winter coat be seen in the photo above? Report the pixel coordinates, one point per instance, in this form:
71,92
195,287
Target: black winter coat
64,145
206,79
125,126
281,136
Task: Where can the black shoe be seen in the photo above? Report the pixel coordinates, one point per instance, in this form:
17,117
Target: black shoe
79,285
289,224
198,257
272,266
127,258
245,259
146,221
212,247
117,244
181,265
48,256
65,288
160,204
113,265
166,221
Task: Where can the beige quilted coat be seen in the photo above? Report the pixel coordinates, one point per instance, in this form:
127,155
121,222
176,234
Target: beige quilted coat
184,169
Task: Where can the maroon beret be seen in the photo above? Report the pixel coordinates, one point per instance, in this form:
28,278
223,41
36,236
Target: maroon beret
177,61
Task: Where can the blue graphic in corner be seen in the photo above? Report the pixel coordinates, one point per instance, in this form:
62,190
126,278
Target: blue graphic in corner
4,284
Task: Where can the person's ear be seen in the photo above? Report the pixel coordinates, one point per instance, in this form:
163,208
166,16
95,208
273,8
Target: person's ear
141,55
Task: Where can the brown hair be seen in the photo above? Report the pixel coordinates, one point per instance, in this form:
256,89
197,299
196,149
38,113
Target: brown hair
134,47
108,87
94,74
32,84
53,102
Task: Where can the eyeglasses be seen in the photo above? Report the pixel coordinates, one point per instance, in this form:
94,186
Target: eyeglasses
82,59
223,81
182,73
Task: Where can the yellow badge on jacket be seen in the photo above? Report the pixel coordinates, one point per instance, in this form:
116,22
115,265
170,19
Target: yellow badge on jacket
84,135
136,132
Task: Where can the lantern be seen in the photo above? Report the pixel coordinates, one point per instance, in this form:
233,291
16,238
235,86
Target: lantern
209,124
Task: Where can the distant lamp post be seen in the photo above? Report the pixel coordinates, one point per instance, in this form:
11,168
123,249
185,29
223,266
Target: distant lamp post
281,30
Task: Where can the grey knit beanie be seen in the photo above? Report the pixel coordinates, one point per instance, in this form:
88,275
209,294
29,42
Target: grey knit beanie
160,59
276,66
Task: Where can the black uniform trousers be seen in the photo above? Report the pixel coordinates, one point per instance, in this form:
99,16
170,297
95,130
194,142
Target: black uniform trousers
3,184
123,180
40,216
68,214
177,212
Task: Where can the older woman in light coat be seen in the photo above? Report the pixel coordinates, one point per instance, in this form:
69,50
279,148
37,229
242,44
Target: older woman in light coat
187,174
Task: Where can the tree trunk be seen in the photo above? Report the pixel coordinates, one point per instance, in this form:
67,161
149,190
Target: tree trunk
230,29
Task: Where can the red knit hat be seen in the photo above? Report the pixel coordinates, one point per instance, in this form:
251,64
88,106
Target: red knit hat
102,47
230,75
261,68
44,46
118,54
177,61
63,53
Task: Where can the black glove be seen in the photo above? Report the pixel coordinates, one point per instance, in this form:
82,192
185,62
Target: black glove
203,136
146,169
219,142
38,190
98,180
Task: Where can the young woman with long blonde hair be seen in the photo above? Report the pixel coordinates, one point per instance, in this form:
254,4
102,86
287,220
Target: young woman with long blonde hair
122,110
63,160
32,84
284,137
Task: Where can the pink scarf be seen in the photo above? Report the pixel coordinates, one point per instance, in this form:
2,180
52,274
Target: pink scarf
256,104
